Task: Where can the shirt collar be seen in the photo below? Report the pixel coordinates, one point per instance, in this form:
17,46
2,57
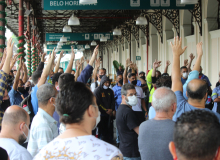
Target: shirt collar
46,115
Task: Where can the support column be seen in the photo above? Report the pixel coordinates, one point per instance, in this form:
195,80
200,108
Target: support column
34,49
2,26
133,49
21,32
28,41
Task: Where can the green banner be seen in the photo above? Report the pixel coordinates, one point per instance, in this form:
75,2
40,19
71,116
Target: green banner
65,52
138,58
65,47
115,5
78,36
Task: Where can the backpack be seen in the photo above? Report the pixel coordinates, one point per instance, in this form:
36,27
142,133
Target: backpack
27,101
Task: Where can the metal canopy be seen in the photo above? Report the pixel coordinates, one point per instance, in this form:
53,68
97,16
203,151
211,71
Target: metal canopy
53,21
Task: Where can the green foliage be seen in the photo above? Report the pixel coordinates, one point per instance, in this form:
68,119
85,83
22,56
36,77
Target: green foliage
116,65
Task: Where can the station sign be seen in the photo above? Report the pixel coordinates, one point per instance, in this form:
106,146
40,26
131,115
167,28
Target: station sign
65,52
115,5
78,36
138,58
65,47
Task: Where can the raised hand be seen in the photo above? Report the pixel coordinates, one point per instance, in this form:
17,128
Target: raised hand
156,64
61,54
168,63
186,62
199,49
43,57
97,63
177,47
20,64
128,62
72,53
10,48
191,56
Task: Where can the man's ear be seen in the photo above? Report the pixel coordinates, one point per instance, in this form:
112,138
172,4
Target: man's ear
91,111
172,149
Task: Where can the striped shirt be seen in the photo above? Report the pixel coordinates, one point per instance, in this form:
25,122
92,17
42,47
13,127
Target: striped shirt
43,130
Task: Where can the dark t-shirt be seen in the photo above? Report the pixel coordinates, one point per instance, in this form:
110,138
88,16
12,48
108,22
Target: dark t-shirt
126,121
217,84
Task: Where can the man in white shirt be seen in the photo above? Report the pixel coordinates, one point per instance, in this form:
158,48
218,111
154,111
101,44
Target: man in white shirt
15,130
44,126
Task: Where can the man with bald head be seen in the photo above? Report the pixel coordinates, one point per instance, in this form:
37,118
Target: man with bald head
195,90
44,126
156,134
15,131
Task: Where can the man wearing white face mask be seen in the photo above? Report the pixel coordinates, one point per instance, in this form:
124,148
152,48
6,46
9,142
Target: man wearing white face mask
184,74
15,131
128,123
105,100
44,126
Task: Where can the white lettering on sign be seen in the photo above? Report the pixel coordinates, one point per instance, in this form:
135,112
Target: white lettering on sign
135,3
165,3
154,3
108,36
86,36
96,36
56,3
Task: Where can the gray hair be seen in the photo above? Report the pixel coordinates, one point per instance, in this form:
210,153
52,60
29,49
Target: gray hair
163,99
126,87
45,92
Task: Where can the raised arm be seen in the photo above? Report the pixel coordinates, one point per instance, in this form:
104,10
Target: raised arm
13,61
167,65
16,81
25,73
58,62
78,69
97,65
177,52
40,67
70,65
199,58
156,65
128,63
191,57
46,70
3,58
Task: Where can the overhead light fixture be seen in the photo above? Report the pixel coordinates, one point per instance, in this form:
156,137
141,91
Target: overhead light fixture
93,43
87,1
87,46
189,1
82,49
63,39
60,43
73,21
103,39
117,32
67,28
141,21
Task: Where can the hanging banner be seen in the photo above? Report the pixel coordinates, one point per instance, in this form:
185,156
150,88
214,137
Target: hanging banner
115,5
78,36
65,47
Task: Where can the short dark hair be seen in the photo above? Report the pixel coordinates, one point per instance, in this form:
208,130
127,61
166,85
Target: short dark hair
183,67
55,77
73,100
65,78
126,87
196,135
35,76
11,71
164,81
130,70
199,93
131,75
73,70
60,67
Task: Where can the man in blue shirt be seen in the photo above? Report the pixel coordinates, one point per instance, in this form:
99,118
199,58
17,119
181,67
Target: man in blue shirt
216,98
196,89
184,74
204,77
117,92
18,91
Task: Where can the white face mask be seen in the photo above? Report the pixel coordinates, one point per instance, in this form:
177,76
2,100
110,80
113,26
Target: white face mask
185,75
105,87
132,100
27,137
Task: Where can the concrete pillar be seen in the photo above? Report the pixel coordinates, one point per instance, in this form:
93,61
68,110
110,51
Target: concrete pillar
133,49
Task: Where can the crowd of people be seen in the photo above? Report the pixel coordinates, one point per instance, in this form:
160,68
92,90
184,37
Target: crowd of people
70,114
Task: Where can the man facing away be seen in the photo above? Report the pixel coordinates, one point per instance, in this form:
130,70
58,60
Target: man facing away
15,131
156,134
44,126
196,136
127,123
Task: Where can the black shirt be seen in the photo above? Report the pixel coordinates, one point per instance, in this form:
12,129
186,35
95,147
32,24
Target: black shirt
126,121
217,84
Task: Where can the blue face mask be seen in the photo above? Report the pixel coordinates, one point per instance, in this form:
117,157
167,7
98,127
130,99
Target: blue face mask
105,87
